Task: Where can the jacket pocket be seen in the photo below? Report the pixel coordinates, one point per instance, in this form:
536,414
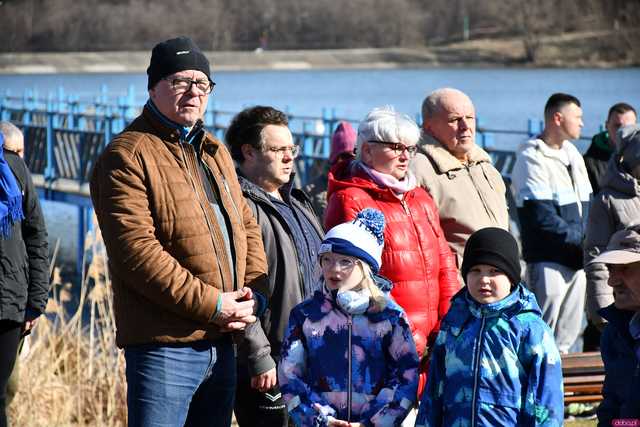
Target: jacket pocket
503,398
13,290
498,407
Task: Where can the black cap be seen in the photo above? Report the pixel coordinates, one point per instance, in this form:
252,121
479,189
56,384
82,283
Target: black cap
492,246
175,55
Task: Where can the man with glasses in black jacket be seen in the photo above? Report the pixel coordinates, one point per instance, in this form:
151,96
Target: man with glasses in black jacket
262,145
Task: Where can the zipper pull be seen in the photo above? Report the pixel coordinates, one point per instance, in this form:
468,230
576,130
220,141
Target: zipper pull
405,207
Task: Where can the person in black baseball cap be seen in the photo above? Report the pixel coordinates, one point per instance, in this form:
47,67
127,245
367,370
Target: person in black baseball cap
179,81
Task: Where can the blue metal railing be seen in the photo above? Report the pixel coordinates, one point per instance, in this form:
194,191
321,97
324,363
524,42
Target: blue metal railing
65,134
50,123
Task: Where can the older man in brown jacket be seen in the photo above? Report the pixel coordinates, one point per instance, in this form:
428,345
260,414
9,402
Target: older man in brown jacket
185,253
468,190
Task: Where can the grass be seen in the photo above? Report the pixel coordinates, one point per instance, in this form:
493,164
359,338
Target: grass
73,374
581,423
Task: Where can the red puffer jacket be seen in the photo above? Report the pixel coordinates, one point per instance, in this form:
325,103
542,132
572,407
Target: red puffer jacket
416,256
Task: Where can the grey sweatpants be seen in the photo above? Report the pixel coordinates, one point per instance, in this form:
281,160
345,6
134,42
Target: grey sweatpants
560,292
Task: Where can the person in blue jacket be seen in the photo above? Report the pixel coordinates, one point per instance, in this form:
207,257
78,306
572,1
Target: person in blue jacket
348,358
495,362
620,343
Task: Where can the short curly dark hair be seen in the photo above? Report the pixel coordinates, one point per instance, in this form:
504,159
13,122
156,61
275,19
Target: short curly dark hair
246,128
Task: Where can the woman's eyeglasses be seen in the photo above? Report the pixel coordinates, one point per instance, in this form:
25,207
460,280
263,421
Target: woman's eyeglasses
398,148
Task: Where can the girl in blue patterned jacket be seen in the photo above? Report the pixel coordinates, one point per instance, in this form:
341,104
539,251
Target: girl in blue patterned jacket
495,362
348,358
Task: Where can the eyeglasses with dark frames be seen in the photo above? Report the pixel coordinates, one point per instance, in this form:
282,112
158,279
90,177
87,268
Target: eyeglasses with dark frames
182,85
398,148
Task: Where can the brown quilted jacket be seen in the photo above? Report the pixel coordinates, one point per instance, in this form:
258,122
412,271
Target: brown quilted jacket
167,256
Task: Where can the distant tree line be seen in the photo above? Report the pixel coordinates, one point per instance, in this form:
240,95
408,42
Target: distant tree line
99,25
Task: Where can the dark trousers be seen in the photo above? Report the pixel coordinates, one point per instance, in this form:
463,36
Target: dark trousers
9,340
257,409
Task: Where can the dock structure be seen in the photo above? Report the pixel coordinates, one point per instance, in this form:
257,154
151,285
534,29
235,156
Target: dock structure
64,136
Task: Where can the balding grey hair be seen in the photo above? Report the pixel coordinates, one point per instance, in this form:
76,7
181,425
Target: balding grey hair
10,131
433,101
386,124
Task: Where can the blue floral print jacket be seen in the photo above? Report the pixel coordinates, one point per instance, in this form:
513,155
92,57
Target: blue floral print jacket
358,368
493,365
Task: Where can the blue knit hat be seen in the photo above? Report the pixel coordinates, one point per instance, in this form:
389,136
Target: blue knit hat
362,238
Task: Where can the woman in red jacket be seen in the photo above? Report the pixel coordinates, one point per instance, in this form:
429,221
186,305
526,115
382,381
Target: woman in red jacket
416,256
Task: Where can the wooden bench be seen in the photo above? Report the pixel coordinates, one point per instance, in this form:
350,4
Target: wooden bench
583,376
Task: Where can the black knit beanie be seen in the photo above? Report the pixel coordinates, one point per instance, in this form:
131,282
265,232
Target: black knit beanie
492,246
175,55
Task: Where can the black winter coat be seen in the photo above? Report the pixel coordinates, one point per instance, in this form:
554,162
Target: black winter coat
622,369
285,278
24,263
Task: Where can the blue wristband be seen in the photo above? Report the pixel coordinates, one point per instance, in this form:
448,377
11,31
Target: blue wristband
218,306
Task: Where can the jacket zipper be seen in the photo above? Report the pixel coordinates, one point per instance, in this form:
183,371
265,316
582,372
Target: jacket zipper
204,210
404,204
226,189
349,397
575,188
258,198
235,209
476,373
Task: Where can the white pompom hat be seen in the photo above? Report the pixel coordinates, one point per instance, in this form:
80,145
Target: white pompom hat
361,238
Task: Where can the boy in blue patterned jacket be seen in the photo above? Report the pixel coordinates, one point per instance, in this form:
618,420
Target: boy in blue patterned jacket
348,358
495,362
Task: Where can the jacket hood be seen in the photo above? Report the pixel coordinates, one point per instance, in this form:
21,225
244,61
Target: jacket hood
615,178
539,144
463,306
443,160
569,157
255,192
323,301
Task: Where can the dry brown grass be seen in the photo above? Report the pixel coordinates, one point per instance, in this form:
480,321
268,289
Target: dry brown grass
73,374
581,423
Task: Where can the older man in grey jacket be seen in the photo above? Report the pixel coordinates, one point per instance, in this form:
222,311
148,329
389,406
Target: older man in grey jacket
468,190
615,207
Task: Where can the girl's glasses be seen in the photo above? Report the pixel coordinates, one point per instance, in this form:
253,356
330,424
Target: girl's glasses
341,263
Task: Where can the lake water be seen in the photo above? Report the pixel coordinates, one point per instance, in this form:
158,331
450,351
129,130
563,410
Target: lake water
504,97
